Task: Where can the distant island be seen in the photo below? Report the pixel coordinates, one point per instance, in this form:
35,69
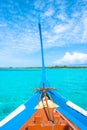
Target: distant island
65,66
50,67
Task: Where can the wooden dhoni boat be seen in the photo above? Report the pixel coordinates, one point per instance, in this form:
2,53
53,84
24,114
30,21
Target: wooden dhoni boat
46,110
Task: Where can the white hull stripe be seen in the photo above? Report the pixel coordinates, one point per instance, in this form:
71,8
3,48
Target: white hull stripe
77,108
12,115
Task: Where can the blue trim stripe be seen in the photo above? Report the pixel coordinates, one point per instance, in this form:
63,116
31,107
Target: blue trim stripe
17,122
73,119
76,117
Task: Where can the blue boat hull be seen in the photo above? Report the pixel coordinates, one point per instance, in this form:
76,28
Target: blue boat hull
17,121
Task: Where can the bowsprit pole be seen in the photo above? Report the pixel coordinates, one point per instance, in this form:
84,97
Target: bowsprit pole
43,81
44,86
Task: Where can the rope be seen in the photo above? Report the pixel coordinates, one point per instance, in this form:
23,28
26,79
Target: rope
47,106
45,95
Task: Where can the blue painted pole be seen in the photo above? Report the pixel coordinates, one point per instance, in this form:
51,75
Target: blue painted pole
43,84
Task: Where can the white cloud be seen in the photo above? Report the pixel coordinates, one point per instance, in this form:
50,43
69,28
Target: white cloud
74,58
3,24
61,17
60,28
84,22
72,29
39,4
76,14
49,12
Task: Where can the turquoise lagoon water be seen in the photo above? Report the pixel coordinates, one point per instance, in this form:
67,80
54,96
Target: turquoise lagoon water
16,86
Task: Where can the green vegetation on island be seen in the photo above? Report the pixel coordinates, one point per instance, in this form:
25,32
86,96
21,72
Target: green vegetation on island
50,67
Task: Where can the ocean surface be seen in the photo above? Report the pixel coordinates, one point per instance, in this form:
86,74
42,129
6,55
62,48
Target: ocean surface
17,85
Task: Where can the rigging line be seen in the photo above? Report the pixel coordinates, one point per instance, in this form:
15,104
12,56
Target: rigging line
68,121
47,113
47,106
44,107
45,110
52,110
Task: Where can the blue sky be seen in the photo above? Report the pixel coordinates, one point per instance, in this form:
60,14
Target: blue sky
64,30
